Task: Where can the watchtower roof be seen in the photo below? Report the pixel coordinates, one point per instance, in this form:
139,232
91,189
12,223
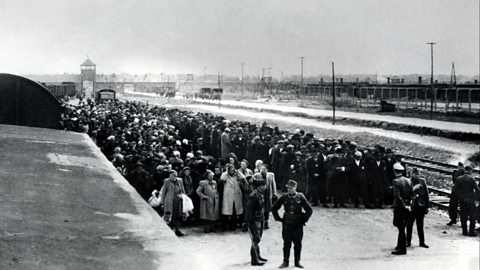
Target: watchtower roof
88,62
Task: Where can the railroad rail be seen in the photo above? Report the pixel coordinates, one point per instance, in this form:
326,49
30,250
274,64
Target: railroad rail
440,197
431,165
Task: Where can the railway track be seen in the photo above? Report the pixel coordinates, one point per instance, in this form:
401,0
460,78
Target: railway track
439,198
431,165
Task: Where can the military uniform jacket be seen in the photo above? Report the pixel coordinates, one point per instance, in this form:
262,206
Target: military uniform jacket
466,189
255,207
293,206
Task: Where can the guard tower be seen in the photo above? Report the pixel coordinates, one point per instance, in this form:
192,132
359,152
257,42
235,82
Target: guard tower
88,73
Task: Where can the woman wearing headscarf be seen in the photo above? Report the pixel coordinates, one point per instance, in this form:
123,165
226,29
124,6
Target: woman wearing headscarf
232,205
209,201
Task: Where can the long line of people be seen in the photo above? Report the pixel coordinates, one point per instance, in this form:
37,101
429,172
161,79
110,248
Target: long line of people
168,152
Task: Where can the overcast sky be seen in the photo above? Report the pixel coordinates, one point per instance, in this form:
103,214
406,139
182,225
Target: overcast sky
187,36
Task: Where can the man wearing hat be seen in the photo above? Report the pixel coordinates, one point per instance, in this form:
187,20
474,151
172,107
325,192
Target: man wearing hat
402,196
389,160
298,171
277,158
467,193
293,220
254,218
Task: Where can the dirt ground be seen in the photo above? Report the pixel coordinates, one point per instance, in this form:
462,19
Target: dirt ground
345,239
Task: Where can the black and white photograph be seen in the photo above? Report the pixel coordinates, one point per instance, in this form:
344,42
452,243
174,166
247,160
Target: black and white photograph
241,134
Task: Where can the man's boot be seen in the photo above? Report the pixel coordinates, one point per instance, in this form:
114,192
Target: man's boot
297,264
472,229
286,257
260,257
257,263
399,252
297,252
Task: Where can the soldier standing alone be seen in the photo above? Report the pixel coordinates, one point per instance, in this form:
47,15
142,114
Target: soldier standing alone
254,219
293,221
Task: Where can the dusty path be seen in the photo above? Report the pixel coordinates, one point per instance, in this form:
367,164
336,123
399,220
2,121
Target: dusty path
346,239
442,125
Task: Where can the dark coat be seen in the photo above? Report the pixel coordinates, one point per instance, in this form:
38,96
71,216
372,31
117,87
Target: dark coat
421,193
466,189
314,169
240,147
357,176
402,192
376,178
255,207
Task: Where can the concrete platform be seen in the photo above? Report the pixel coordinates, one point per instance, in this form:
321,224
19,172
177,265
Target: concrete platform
64,206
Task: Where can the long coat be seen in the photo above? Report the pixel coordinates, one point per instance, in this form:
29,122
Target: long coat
225,144
376,178
232,193
169,190
209,200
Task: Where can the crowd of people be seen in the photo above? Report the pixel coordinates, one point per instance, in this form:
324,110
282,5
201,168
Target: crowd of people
165,153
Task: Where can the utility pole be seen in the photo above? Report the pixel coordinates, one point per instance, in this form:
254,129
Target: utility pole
301,75
431,79
243,64
333,90
219,89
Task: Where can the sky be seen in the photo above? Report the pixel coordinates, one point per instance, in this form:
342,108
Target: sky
210,36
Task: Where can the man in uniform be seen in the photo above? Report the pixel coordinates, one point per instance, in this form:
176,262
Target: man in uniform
466,192
402,196
293,221
453,204
254,219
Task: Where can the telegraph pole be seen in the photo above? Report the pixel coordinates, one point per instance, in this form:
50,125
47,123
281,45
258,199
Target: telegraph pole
431,79
243,64
218,89
301,75
333,90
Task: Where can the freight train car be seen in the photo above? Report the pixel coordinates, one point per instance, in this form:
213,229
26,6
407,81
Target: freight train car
61,90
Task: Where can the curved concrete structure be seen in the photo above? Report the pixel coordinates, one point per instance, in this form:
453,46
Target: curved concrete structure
64,206
27,103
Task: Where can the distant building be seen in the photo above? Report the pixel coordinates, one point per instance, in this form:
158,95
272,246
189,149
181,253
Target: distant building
88,77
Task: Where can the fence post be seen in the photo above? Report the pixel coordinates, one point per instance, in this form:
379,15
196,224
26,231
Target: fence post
446,99
470,100
398,97
435,98
456,99
406,91
416,96
360,97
